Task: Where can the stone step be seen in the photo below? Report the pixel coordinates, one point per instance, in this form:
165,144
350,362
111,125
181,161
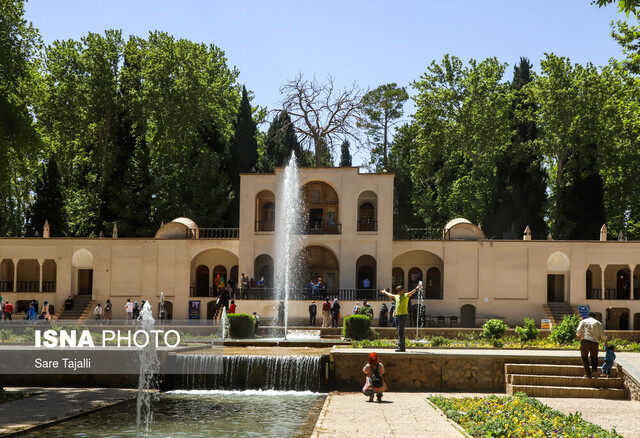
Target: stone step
568,392
567,381
551,370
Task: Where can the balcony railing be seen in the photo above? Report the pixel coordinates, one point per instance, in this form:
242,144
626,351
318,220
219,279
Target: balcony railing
48,286
303,294
213,233
367,225
265,226
28,286
322,228
6,286
612,294
417,234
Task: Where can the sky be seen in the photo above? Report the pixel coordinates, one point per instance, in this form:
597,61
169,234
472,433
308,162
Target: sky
367,42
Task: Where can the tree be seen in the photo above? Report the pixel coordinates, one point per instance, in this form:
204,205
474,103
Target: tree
321,114
19,62
382,108
626,6
48,202
345,154
521,181
243,156
281,140
572,123
461,122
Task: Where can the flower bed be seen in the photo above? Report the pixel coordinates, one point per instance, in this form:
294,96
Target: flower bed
473,341
515,416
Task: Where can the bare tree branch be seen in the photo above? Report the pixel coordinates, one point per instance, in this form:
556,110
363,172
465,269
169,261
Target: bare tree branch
321,115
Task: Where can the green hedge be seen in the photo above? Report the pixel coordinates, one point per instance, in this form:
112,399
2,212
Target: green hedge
356,327
241,325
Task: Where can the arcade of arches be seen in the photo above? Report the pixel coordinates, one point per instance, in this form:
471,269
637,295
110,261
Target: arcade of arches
28,275
211,270
414,266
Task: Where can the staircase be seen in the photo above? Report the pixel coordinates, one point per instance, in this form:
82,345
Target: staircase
556,311
82,307
567,381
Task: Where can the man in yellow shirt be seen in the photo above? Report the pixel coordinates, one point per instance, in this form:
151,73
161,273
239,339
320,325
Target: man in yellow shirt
402,310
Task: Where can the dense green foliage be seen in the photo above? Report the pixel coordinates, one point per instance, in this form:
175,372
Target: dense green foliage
515,416
241,325
356,327
494,329
529,332
138,131
565,332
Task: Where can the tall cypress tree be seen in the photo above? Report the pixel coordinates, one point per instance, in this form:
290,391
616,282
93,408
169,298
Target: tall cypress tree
243,154
345,154
280,142
521,181
48,205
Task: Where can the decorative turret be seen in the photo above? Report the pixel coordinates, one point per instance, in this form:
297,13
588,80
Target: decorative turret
603,233
527,233
46,230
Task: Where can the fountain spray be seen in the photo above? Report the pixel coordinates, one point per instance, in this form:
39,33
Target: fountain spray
149,366
289,240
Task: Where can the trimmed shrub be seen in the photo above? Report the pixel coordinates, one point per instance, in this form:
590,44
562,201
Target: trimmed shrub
529,332
565,332
439,341
241,325
356,327
494,328
29,335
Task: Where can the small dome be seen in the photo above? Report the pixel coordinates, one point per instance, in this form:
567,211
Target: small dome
177,229
461,229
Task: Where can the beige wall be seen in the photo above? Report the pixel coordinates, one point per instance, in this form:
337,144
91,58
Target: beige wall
499,278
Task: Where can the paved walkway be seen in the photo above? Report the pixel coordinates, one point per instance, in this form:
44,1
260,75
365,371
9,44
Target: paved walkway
409,414
400,414
52,404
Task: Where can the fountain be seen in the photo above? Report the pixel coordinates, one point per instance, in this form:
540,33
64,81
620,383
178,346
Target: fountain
224,321
149,366
289,212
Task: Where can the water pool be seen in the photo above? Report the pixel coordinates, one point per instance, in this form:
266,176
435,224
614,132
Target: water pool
203,414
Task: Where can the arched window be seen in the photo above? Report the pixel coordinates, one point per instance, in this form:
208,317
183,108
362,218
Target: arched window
367,215
265,211
320,262
321,201
397,278
202,281
415,276
433,288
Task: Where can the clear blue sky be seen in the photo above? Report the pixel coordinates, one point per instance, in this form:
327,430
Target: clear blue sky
369,42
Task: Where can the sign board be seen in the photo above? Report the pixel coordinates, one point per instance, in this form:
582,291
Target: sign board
194,309
584,311
545,324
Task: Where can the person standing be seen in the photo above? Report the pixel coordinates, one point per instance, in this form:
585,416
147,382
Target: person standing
128,308
382,319
356,308
108,308
335,313
97,313
45,311
232,307
402,305
8,310
326,313
590,332
256,322
313,309
392,313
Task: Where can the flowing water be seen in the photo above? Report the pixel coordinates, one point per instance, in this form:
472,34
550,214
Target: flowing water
200,414
149,366
289,240
242,372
